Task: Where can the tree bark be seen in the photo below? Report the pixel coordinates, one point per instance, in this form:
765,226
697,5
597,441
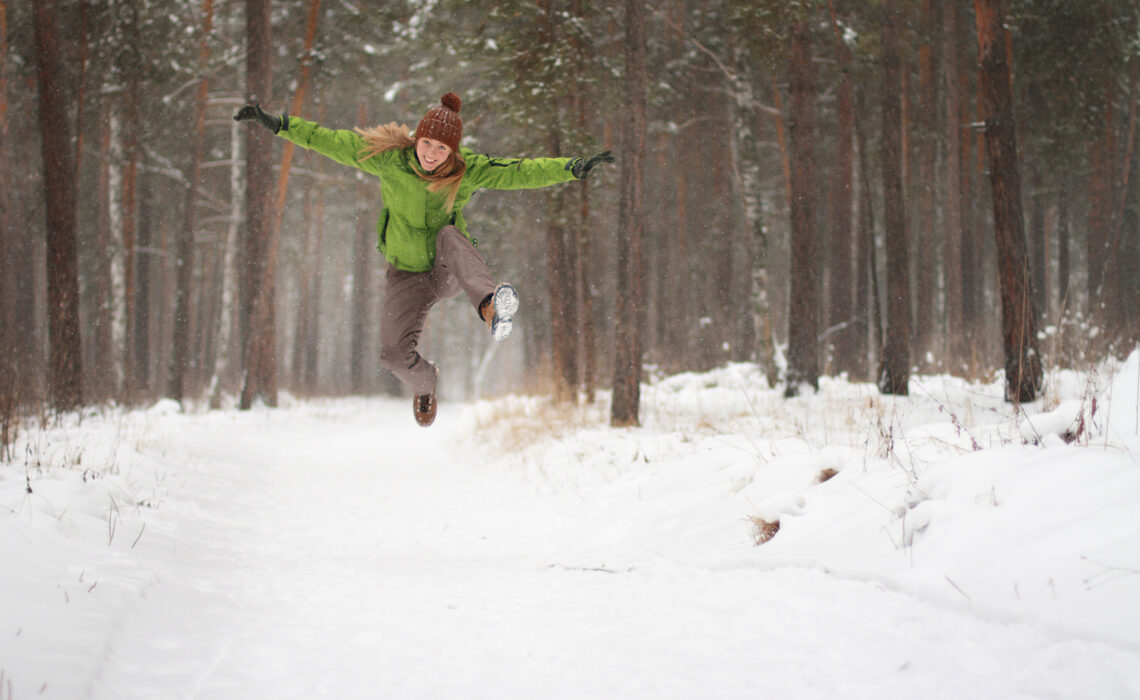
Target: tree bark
261,351
926,316
131,68
258,301
560,275
952,202
8,308
894,370
867,280
841,321
231,277
1022,363
141,353
804,298
181,365
66,371
625,407
363,252
306,342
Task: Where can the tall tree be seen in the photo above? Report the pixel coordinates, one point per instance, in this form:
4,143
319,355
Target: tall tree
952,203
259,322
926,242
129,71
7,269
841,318
804,299
894,370
1022,363
625,407
184,261
232,288
66,376
363,249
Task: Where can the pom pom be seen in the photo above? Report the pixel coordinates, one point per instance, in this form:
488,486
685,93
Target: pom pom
451,101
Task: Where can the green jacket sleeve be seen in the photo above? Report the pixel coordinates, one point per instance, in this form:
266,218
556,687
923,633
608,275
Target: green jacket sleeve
343,146
485,172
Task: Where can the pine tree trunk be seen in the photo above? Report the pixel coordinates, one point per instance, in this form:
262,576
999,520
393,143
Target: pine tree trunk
625,407
104,382
1128,223
894,370
841,319
143,288
1022,363
363,259
81,90
66,371
184,261
1038,243
231,283
804,299
313,335
129,61
9,359
866,284
560,275
305,342
259,371
952,202
926,316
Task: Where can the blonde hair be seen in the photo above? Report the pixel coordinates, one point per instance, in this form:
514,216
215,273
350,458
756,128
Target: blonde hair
393,136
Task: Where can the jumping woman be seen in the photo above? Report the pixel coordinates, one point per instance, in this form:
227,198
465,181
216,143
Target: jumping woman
426,179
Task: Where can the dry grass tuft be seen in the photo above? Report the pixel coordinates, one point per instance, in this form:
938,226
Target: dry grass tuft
825,475
517,424
763,530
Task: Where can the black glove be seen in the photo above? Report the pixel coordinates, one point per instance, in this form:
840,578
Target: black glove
581,168
269,121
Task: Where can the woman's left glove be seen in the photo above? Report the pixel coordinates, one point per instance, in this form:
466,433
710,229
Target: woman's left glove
581,168
269,121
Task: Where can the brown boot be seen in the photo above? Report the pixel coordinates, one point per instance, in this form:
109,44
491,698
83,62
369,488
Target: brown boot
424,406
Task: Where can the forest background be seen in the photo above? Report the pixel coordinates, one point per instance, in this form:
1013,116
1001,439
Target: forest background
801,185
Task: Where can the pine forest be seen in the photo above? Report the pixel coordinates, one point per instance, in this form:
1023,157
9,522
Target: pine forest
862,188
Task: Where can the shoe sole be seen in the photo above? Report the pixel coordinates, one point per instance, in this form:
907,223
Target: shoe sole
506,301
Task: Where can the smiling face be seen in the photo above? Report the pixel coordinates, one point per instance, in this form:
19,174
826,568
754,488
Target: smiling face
431,153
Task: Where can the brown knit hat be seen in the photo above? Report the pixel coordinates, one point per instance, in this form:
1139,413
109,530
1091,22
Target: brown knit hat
442,123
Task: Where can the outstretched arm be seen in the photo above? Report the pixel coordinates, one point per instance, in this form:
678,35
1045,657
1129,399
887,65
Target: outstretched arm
341,145
527,173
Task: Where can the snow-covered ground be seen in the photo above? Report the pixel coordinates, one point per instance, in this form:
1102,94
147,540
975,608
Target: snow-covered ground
943,545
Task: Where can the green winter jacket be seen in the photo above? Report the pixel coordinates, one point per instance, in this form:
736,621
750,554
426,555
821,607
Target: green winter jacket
412,216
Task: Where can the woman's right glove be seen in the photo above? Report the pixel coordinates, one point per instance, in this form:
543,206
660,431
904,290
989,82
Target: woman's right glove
581,168
269,121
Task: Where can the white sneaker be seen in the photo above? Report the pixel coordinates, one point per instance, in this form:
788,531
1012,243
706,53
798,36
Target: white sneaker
501,311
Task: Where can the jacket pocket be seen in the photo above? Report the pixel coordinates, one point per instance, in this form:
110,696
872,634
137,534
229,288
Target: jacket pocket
382,231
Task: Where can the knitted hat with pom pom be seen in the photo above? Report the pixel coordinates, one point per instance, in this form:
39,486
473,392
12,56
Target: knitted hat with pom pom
442,123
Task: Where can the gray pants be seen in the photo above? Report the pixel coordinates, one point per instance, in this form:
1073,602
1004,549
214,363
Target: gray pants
410,295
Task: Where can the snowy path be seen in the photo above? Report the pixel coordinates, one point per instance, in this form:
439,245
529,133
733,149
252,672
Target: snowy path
349,554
